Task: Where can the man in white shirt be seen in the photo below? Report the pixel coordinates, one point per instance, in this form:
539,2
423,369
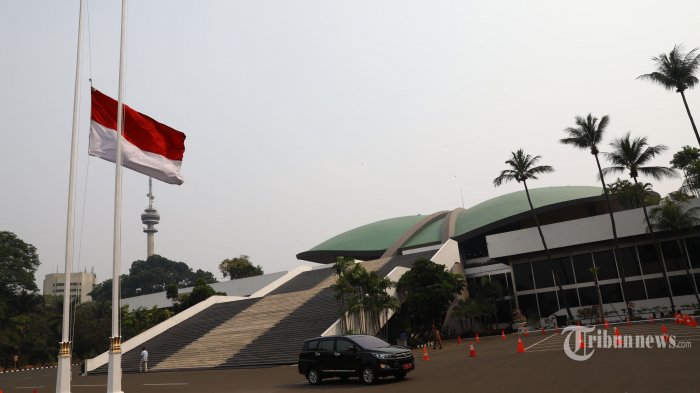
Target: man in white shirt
143,364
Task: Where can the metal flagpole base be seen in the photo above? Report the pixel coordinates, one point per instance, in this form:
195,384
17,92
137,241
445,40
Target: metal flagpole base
63,375
114,370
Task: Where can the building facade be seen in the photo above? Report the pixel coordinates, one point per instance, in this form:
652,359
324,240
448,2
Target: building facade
81,284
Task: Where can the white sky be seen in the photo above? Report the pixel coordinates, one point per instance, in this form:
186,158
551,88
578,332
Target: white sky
305,119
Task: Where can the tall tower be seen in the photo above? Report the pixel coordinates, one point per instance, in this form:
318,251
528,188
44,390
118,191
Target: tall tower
150,219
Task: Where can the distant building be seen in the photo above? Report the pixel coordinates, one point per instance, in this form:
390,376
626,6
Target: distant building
81,284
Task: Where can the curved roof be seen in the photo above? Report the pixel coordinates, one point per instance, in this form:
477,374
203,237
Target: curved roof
371,240
508,205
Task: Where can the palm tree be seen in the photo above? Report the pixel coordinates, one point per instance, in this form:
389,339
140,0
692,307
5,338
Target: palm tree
595,271
587,134
671,216
523,167
633,155
677,71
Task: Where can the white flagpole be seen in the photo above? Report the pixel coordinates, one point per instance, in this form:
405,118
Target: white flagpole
114,370
64,352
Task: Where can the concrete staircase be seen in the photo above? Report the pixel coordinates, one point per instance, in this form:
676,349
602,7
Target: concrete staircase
261,331
218,345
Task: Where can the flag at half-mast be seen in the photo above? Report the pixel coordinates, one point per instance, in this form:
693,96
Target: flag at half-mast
148,147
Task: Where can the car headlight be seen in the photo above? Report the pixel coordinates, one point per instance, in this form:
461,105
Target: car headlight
381,355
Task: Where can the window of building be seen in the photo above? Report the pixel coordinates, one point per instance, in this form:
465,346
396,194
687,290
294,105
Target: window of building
528,305
605,262
649,260
582,267
611,293
672,256
504,310
500,280
564,273
542,271
523,276
681,285
656,287
588,296
568,297
634,290
548,303
693,247
627,260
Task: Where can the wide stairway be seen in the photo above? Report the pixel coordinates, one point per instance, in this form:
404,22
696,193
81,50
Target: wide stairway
252,332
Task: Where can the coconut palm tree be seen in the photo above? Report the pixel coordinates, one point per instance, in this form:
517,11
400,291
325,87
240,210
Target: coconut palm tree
632,155
672,216
587,134
523,167
676,70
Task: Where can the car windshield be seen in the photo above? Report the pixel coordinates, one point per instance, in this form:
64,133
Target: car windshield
369,342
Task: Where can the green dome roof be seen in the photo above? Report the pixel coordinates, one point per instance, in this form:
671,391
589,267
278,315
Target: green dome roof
508,205
371,240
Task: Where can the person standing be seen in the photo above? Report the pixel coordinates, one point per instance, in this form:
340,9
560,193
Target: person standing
437,340
15,360
143,364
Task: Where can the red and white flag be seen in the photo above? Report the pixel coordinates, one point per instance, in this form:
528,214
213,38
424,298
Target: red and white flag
148,147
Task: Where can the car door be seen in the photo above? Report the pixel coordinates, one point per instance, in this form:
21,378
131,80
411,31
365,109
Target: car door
324,355
346,356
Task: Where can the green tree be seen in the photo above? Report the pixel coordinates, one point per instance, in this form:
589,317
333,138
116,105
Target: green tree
627,194
240,267
688,160
523,167
362,297
674,216
153,275
200,292
428,290
676,70
18,263
633,155
587,135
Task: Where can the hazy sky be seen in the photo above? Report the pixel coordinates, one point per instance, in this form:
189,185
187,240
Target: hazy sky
305,119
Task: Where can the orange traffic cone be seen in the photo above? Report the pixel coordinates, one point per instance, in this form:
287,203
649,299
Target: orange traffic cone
503,335
663,329
525,332
425,353
687,320
477,338
472,352
693,322
521,349
556,330
542,331
583,343
606,325
459,339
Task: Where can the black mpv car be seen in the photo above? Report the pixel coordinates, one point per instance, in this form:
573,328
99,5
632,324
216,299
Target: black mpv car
365,357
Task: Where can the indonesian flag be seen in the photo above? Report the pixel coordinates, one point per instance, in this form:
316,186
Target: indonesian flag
148,147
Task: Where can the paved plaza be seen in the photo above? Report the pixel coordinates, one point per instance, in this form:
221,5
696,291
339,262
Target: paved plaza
497,367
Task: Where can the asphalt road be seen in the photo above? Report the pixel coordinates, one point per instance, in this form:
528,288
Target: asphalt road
497,367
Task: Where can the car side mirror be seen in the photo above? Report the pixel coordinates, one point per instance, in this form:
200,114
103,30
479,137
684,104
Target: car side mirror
352,349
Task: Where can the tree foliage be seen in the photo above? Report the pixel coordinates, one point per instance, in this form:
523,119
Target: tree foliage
627,194
18,263
428,290
240,267
153,275
200,292
362,297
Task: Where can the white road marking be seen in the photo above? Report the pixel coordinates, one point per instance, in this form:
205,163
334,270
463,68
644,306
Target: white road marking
87,386
543,340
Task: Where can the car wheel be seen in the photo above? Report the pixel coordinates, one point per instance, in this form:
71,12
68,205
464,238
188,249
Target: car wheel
400,375
368,376
314,376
